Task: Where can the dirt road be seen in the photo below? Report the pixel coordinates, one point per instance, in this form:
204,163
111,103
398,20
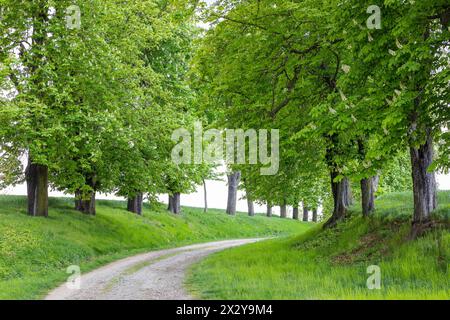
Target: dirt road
157,275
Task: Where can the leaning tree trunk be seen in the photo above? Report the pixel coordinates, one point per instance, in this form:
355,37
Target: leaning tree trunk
37,189
340,192
269,210
424,185
283,211
135,203
233,183
314,215
87,203
205,196
295,213
305,213
367,196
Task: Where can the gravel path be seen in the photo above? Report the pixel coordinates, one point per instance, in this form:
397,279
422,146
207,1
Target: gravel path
157,275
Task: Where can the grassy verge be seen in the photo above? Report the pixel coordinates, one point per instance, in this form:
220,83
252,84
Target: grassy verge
333,264
35,252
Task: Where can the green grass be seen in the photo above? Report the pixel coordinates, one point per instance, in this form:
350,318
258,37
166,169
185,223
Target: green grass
332,264
35,252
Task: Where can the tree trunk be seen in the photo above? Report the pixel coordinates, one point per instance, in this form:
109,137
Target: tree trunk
205,196
348,196
233,183
424,185
37,189
305,213
251,207
87,204
314,216
135,203
283,213
86,201
269,210
295,213
78,197
340,192
367,196
175,203
170,205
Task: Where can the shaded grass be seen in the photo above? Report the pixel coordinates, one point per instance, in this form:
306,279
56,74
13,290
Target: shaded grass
332,264
35,252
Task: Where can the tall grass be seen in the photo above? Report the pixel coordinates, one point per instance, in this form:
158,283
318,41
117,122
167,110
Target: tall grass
333,264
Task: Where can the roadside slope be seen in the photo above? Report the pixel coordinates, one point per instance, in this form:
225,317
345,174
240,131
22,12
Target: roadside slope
333,264
35,252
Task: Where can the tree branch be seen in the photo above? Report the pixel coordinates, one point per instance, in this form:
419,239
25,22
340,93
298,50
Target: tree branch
290,87
248,23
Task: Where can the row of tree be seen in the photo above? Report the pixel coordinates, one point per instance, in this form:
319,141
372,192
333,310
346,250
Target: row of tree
352,88
91,104
356,102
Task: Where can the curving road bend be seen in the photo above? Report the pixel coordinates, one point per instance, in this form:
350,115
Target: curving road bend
157,275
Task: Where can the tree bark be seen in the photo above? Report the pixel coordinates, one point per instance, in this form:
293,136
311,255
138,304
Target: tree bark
340,192
269,210
305,212
424,184
283,213
251,207
233,183
175,203
295,213
37,189
205,196
314,216
170,205
78,197
135,203
348,196
367,196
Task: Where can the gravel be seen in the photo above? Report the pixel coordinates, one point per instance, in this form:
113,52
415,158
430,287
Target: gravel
157,275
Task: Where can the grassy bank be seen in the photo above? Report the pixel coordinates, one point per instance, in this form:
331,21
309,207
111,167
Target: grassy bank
333,264
35,252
